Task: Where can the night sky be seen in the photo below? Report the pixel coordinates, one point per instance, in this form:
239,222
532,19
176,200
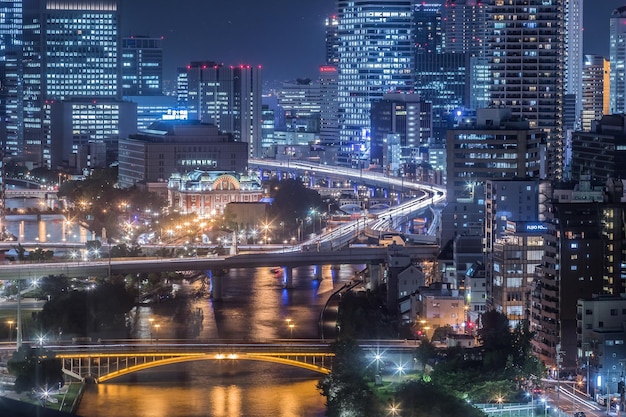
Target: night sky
286,37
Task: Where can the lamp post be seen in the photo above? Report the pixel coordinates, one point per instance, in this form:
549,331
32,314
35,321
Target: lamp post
10,323
545,407
290,325
156,326
151,320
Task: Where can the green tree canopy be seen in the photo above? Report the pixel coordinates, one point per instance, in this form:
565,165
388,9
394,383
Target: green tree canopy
35,368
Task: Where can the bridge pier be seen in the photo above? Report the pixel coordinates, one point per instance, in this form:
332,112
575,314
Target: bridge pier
317,272
287,277
375,275
217,284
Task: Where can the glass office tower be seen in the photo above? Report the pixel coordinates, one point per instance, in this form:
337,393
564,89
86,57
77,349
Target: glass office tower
375,57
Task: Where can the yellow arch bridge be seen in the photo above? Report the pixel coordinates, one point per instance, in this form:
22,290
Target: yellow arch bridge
103,362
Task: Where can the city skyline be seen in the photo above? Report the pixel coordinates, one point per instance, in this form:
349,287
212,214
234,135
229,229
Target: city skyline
286,38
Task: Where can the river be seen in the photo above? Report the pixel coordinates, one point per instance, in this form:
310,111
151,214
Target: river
254,307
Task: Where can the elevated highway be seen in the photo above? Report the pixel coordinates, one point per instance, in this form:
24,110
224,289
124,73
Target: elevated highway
361,255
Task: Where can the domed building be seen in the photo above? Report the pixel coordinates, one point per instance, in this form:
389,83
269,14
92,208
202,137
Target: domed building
208,192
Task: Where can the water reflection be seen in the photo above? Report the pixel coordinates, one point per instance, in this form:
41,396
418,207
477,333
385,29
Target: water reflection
46,228
250,389
254,307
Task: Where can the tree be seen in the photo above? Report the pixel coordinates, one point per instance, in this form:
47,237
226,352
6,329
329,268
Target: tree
292,202
345,388
35,368
496,338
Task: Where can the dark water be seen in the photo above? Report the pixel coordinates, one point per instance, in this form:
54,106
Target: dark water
255,307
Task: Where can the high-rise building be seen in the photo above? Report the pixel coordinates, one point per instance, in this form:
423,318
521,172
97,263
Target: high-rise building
142,66
332,40
583,255
496,146
525,48
463,26
375,57
574,55
427,32
300,101
512,244
595,91
617,59
599,152
11,104
406,116
441,79
512,262
227,96
50,67
329,111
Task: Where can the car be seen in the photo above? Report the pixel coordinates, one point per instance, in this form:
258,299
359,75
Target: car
580,414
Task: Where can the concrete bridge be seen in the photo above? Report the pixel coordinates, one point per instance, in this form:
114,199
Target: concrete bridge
287,260
103,362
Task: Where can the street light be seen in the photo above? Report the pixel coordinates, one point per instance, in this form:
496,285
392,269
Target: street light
156,326
291,326
151,320
499,401
10,323
394,409
545,406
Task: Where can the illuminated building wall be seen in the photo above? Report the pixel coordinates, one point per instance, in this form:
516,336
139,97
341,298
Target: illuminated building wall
525,48
228,96
142,66
375,57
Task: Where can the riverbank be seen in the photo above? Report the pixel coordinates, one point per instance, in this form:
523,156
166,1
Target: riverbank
66,400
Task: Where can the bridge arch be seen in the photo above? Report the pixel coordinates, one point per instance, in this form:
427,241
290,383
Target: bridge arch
103,368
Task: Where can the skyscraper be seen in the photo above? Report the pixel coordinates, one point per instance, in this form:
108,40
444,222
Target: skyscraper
332,40
229,97
11,116
375,57
329,112
574,54
526,55
595,90
617,59
68,49
142,66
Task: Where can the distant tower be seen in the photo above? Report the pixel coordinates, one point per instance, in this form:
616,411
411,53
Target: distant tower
617,58
574,54
142,66
375,57
530,82
329,110
595,92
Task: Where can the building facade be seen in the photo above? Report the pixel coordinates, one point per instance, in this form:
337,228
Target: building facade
209,192
142,66
584,254
529,81
179,146
41,65
595,90
406,116
599,153
227,96
375,57
617,59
